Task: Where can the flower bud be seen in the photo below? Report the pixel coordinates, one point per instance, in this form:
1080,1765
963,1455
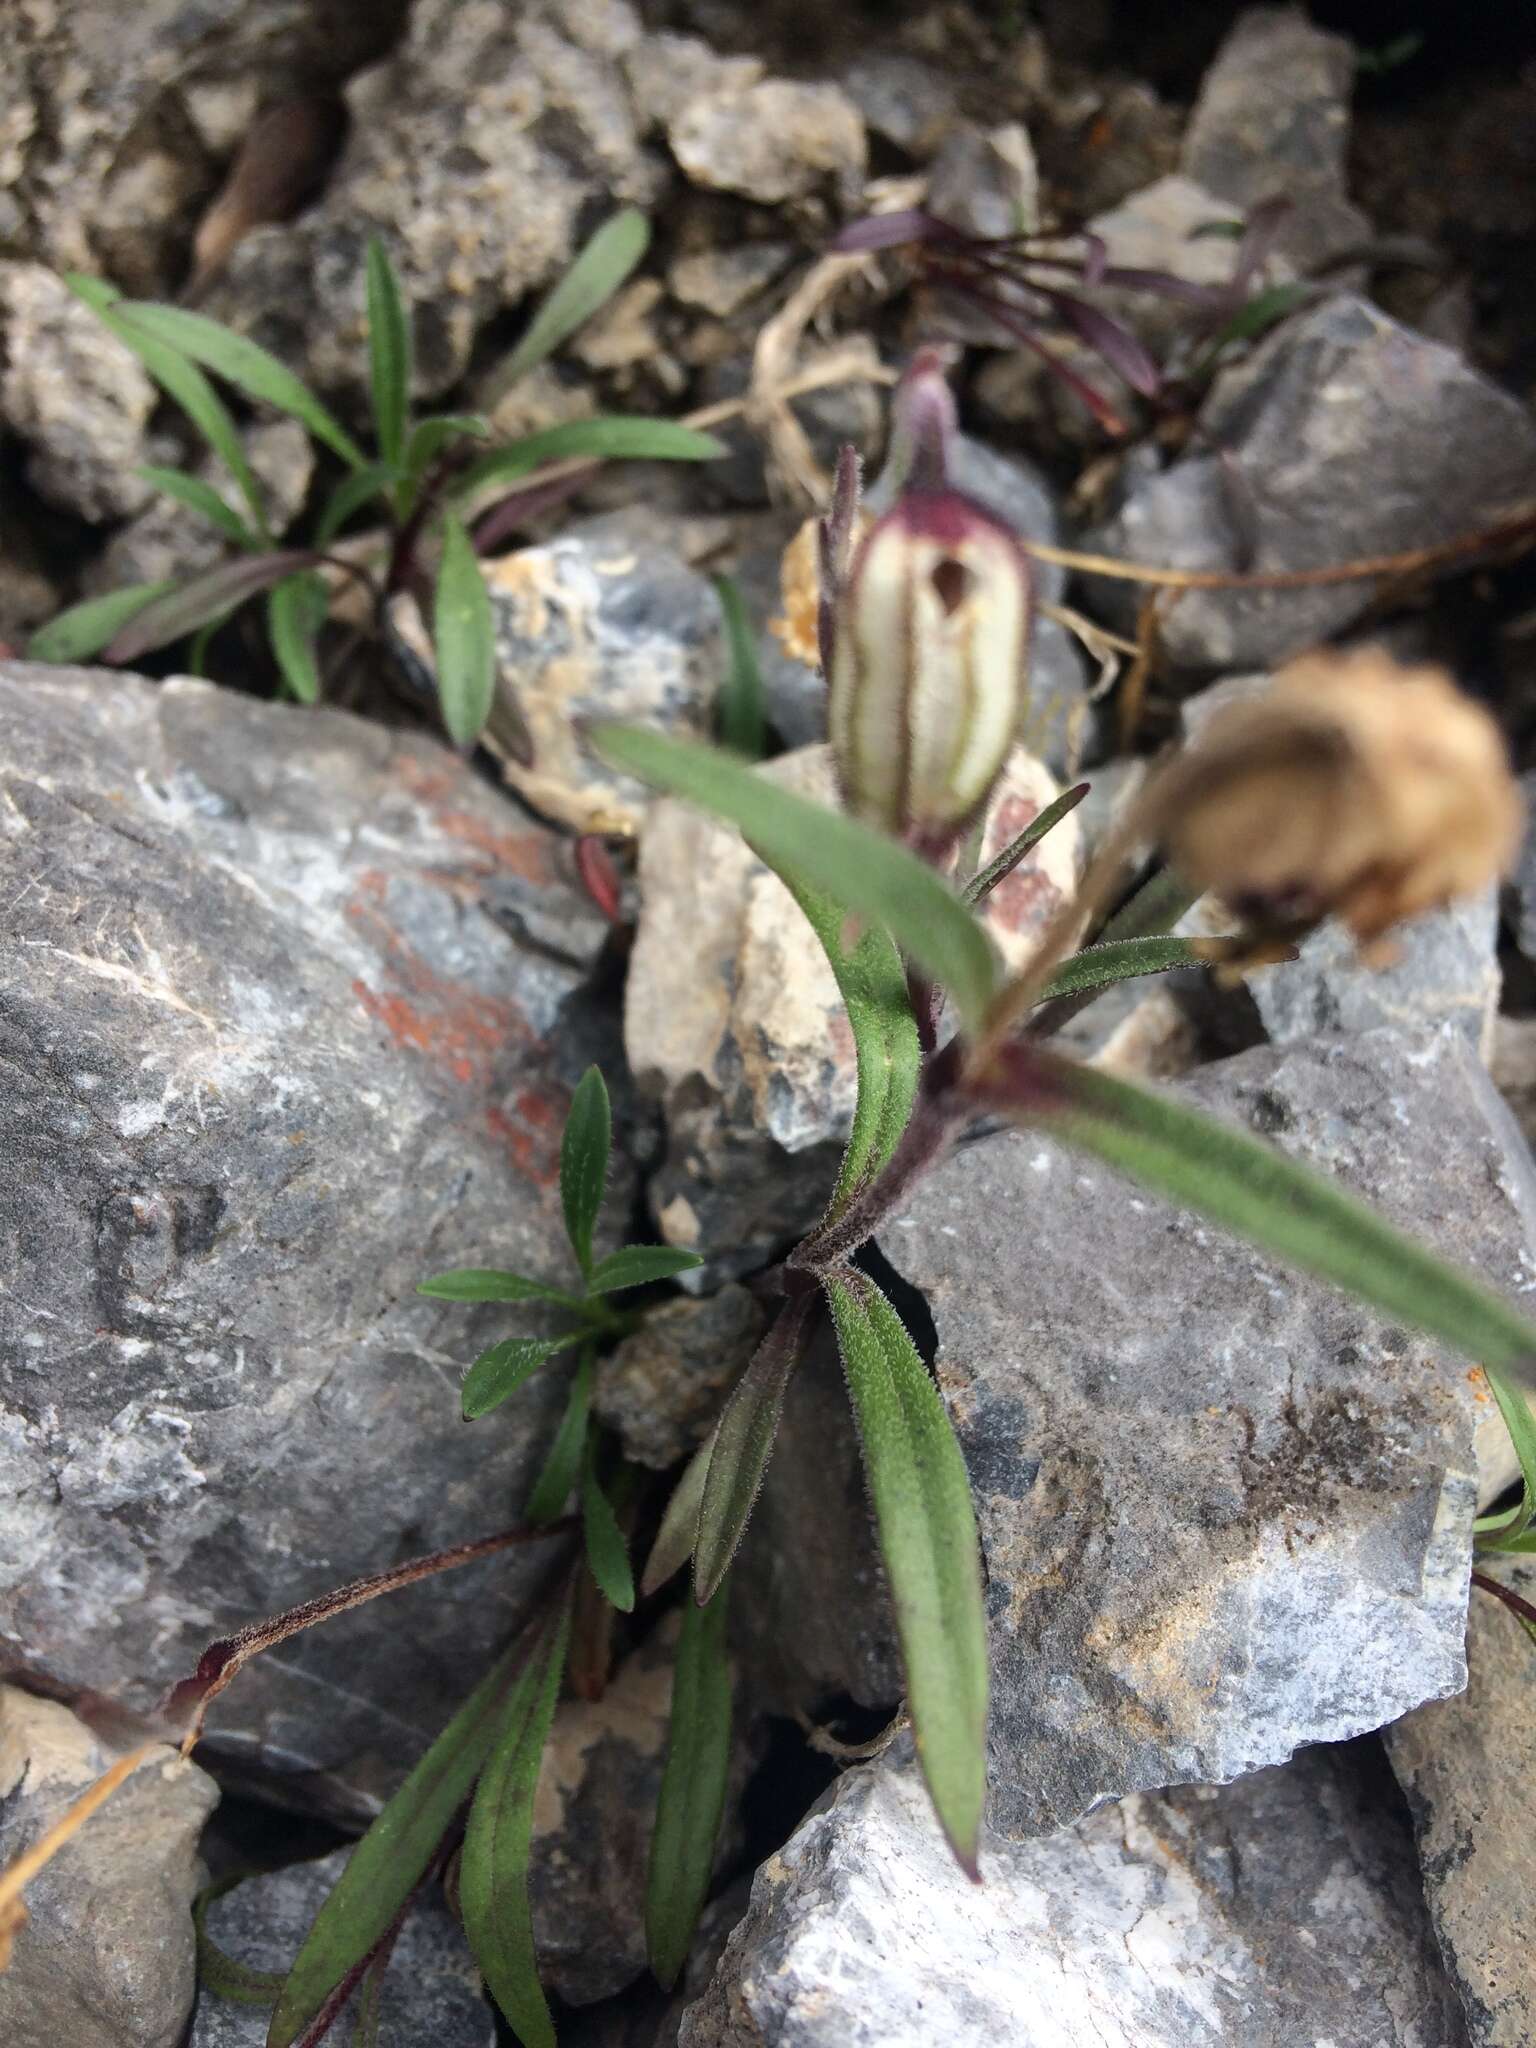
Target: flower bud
1353,788
929,665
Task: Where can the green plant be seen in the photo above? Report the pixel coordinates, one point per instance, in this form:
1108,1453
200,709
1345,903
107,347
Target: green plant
896,914
425,480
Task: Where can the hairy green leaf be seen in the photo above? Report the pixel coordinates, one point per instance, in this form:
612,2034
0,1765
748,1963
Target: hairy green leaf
981,885
1119,960
296,610
692,1797
615,437
596,273
245,364
927,1530
501,1371
742,1446
182,381
741,714
888,1052
464,637
204,500
202,600
389,1861
1257,1192
679,1523
563,1467
584,1164
485,1283
637,1264
855,866
1153,910
389,353
607,1552
1509,1531
85,628
493,1871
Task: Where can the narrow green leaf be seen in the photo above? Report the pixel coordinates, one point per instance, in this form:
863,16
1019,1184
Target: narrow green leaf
1120,960
245,364
85,628
607,1552
389,1861
740,714
855,866
354,491
222,1974
464,637
615,437
493,1870
637,1264
1508,1531
584,1164
1257,1192
679,1523
501,1371
296,610
204,500
563,1467
201,599
692,1797
888,1052
1264,310
486,1283
981,885
743,1444
927,1530
389,353
182,381
429,437
596,273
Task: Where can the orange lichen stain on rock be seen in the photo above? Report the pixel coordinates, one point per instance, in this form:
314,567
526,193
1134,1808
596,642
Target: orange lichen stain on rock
531,1129
441,790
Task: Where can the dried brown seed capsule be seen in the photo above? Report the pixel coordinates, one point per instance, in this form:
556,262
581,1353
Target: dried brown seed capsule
1354,788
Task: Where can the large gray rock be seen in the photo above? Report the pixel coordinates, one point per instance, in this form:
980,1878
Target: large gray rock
591,626
1446,973
1344,435
1225,1510
431,1990
291,1009
1467,1765
73,395
476,151
106,1959
1281,1912
1272,121
771,141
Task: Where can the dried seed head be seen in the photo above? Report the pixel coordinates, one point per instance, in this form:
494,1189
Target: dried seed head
929,664
1354,788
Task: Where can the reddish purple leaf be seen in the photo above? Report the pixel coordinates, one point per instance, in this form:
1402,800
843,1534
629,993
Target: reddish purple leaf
203,599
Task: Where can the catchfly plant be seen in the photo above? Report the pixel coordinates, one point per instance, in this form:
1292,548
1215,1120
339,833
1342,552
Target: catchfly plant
1352,788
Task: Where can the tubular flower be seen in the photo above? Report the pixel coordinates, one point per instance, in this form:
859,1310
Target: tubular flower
1354,788
929,665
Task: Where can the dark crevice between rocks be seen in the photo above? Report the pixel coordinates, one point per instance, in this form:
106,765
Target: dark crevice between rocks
910,1303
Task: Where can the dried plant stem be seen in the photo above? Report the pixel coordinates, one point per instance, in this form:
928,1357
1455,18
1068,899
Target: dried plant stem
1518,524
222,1660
